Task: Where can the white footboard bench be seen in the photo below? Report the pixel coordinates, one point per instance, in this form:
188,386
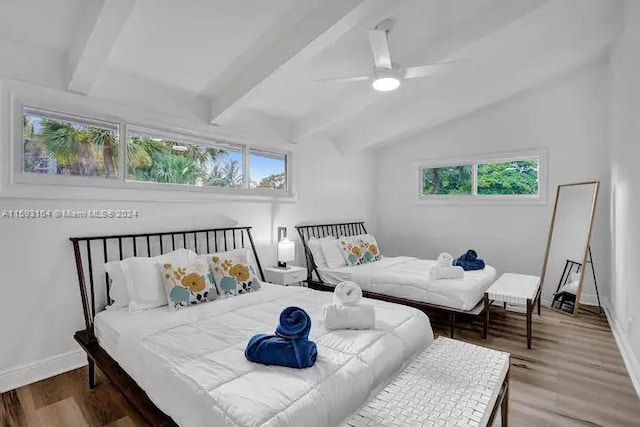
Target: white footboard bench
452,383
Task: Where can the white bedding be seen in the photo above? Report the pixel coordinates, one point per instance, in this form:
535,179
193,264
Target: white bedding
192,366
408,277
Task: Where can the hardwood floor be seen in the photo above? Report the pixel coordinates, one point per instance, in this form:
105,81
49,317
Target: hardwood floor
573,376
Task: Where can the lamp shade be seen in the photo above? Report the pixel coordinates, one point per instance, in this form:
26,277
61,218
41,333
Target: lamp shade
286,250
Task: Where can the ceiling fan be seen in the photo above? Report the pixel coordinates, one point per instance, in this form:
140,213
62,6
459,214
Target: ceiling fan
387,75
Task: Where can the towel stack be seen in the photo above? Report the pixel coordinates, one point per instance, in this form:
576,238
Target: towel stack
469,261
444,268
290,346
346,312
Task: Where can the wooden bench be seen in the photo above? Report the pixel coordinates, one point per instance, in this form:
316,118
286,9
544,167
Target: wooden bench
451,383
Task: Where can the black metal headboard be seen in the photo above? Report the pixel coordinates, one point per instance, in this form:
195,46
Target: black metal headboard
322,230
117,247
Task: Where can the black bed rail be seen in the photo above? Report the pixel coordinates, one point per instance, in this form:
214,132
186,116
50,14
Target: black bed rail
85,251
307,231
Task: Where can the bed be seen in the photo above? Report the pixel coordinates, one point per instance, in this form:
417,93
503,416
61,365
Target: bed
405,277
402,280
187,367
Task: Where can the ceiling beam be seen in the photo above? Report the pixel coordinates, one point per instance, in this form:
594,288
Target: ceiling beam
97,32
445,47
308,30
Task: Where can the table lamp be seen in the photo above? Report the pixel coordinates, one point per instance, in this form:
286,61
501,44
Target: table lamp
286,248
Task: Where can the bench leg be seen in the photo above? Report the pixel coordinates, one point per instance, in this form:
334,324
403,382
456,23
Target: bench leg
92,373
504,408
485,329
452,323
529,316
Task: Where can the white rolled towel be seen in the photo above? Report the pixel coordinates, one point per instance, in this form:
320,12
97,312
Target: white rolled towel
338,316
444,260
438,273
347,293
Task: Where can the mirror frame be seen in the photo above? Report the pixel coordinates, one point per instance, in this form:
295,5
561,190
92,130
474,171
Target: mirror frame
586,249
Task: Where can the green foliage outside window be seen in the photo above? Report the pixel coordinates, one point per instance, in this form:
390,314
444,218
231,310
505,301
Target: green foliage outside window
58,147
508,178
451,180
275,181
518,177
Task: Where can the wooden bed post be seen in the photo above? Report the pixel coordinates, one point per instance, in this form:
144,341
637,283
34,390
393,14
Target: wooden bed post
83,289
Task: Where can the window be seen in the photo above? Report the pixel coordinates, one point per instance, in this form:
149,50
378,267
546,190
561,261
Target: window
153,157
59,144
518,177
447,180
57,148
267,170
507,178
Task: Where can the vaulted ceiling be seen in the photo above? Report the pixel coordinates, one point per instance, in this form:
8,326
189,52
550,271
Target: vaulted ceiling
255,66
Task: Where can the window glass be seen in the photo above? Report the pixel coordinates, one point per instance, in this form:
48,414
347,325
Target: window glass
59,144
267,170
519,177
155,158
447,180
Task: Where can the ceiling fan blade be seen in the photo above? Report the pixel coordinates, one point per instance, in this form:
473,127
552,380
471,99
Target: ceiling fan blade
426,70
380,48
346,79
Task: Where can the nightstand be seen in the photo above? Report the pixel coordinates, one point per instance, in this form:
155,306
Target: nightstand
291,276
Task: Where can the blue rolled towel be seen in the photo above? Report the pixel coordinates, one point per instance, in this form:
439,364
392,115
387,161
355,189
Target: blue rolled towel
469,261
275,350
294,324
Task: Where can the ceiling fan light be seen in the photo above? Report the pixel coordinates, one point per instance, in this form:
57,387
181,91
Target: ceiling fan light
385,84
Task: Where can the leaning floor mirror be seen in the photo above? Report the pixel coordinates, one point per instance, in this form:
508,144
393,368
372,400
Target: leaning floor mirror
568,258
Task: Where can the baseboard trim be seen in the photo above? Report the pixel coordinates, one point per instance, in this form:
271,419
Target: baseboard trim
41,369
631,362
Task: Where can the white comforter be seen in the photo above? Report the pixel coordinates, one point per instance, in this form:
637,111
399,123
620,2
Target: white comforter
192,366
408,277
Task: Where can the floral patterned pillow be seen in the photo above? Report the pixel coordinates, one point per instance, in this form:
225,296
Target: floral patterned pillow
188,283
351,250
369,247
360,249
232,274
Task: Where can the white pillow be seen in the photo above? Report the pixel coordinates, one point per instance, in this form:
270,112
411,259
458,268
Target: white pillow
117,286
316,250
332,253
144,281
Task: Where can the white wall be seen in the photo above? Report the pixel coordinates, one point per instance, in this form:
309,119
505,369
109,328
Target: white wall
565,116
624,139
40,299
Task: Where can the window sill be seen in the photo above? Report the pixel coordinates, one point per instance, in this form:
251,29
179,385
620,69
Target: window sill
140,194
481,201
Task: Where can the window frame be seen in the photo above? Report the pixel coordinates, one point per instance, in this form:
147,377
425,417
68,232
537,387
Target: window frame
266,153
474,197
170,135
33,185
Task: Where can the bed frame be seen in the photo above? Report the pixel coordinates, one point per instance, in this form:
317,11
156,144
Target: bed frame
307,231
100,249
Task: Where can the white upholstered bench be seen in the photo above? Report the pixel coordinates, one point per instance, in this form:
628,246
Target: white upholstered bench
452,383
513,288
